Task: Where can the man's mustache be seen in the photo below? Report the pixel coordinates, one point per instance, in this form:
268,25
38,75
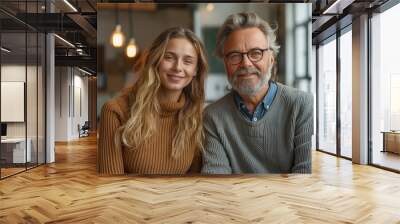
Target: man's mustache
244,71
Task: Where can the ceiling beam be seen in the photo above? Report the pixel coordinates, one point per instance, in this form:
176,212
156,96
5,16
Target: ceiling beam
49,22
337,7
127,6
321,20
84,24
82,61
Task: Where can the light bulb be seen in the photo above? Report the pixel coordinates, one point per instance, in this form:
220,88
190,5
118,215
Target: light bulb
131,49
118,38
210,7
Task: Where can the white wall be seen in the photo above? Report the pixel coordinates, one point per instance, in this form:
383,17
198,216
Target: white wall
61,103
70,83
12,101
12,73
80,84
33,126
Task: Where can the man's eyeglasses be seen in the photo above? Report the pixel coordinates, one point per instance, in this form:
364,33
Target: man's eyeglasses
254,55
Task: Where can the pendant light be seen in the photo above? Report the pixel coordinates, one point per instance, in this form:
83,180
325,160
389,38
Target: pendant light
131,49
117,37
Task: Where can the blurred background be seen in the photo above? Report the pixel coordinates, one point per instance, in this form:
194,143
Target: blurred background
56,54
125,30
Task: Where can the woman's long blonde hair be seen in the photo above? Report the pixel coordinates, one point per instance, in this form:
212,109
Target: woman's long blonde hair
146,107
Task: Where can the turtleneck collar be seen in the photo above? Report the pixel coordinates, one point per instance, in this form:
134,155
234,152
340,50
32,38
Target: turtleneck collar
170,106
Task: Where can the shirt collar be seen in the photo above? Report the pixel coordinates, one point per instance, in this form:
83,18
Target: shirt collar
266,102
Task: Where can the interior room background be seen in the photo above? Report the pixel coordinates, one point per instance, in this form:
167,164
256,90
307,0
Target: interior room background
143,22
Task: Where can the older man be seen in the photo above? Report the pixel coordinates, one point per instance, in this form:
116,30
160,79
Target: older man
261,126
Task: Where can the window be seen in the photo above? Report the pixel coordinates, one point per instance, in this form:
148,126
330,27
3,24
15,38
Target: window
22,74
346,94
327,97
385,87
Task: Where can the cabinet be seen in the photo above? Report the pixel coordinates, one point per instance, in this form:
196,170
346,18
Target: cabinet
13,150
391,141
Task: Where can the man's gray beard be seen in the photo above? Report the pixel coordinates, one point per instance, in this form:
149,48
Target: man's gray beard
245,87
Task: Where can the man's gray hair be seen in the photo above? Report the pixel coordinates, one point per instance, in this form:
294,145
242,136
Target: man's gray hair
245,20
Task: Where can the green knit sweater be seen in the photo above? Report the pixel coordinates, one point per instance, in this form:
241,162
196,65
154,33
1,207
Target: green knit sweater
280,142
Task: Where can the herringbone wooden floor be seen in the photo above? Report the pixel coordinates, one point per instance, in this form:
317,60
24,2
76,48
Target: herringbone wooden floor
69,191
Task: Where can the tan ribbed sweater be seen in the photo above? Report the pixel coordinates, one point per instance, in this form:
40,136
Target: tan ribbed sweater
154,157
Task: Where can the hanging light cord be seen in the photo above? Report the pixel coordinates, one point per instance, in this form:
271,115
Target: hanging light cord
116,13
131,23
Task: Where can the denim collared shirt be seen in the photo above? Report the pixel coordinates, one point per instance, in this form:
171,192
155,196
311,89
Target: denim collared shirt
261,108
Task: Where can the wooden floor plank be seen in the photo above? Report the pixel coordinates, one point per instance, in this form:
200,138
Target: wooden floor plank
70,191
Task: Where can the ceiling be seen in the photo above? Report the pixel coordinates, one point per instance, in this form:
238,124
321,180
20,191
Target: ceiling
329,16
76,24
